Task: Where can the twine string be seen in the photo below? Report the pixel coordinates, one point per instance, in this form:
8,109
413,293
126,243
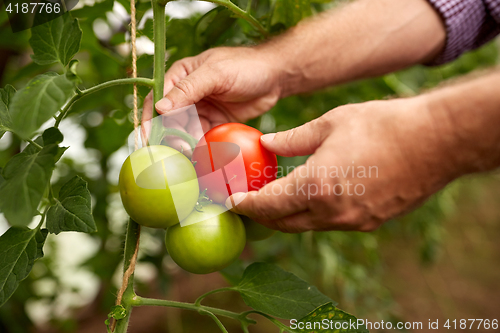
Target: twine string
130,270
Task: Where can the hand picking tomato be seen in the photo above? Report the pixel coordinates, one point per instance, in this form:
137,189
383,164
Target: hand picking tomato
158,186
210,240
230,158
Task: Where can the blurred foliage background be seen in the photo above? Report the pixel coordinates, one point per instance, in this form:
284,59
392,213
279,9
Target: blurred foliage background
439,262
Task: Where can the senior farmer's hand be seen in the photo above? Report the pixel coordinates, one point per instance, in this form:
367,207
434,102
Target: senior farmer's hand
228,85
374,161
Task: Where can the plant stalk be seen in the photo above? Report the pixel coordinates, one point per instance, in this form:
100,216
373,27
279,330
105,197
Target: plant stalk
183,135
133,229
159,54
217,321
276,322
131,241
242,14
67,107
130,80
198,301
140,301
34,144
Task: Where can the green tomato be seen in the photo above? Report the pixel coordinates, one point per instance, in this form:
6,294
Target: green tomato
158,186
208,241
256,231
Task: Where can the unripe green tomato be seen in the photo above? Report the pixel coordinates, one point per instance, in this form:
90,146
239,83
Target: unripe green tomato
150,178
212,242
255,231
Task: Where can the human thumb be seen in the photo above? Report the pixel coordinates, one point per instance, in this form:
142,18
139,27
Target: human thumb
299,141
189,90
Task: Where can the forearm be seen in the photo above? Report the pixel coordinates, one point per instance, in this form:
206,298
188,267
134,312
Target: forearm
470,112
361,39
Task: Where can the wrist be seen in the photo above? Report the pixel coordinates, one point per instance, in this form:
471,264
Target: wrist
424,139
291,55
281,68
450,163
468,112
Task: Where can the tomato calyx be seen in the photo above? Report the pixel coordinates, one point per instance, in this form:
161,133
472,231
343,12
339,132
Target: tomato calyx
203,200
168,131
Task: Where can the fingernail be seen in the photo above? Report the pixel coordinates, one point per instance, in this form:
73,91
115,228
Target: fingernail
235,199
164,105
268,137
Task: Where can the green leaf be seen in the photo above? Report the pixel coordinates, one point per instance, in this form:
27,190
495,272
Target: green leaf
234,272
5,120
120,38
1,177
329,319
72,211
7,93
290,12
71,74
27,72
19,248
180,35
52,135
269,289
211,26
98,9
26,177
109,136
31,148
39,101
118,312
56,40
148,29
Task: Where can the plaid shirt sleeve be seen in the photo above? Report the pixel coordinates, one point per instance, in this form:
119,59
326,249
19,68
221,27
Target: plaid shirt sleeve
469,24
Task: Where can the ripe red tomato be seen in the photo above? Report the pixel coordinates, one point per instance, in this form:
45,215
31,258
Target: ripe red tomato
230,158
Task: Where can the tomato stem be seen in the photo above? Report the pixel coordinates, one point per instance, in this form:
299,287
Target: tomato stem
50,195
140,301
271,319
183,135
238,12
198,301
217,321
131,242
129,80
133,229
35,144
44,214
81,93
160,46
249,6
